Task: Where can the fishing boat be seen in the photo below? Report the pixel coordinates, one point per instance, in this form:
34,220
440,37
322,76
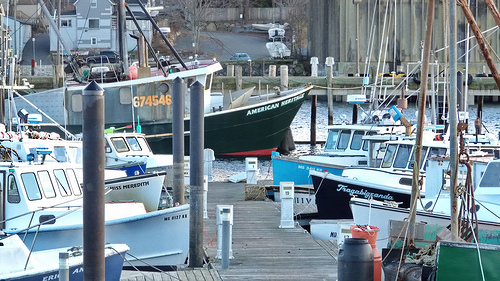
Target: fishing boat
257,127
278,49
435,209
391,180
347,145
20,264
44,202
127,180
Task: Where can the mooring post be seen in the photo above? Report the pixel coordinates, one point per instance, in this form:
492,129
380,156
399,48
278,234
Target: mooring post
239,77
226,228
272,70
284,77
314,102
64,266
93,182
196,143
178,93
329,81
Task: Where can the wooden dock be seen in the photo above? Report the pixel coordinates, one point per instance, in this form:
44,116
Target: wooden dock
261,249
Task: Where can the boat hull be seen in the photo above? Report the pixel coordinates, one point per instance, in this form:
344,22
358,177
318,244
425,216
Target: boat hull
297,170
159,238
333,194
250,130
113,270
253,129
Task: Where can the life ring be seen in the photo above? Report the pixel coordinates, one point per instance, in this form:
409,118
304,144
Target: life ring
439,137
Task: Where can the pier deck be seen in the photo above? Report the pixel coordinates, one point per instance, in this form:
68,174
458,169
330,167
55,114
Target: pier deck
261,250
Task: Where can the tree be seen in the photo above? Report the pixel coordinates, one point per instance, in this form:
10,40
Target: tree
194,12
297,19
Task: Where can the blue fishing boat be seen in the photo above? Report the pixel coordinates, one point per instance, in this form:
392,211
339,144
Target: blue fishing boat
19,264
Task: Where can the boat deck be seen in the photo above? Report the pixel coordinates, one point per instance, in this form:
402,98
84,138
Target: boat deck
261,250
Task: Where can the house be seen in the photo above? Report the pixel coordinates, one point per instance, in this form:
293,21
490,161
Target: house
20,33
92,26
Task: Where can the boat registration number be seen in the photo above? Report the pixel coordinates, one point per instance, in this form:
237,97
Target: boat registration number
152,100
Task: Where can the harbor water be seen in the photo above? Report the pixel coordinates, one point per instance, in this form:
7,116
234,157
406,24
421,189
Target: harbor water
224,167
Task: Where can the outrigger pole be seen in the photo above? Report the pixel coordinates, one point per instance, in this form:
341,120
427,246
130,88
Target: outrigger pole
153,22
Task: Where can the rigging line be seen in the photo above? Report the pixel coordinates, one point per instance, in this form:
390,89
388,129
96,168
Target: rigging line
371,41
374,89
478,251
468,38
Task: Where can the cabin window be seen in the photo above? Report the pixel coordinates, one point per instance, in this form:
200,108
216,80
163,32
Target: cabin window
366,143
402,156
46,183
76,103
422,158
389,155
144,144
94,23
107,147
125,95
491,177
65,23
357,140
163,88
208,82
119,144
31,186
134,145
75,154
344,138
13,191
75,186
62,182
331,141
435,152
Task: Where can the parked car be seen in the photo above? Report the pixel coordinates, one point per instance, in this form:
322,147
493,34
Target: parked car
104,57
240,56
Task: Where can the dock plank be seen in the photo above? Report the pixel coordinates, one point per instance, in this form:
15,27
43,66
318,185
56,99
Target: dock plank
261,249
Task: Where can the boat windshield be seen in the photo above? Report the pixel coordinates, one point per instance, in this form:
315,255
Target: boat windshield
134,144
331,141
491,177
31,186
345,136
422,158
389,155
119,144
402,156
144,144
357,140
46,183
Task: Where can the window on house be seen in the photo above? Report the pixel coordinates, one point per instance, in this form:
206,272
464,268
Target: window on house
65,23
93,41
94,23
93,4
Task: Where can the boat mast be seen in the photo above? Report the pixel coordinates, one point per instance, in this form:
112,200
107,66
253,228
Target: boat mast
453,121
479,35
421,117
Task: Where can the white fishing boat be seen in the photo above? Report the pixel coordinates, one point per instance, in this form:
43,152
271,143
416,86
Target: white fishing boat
20,264
44,202
435,210
278,50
